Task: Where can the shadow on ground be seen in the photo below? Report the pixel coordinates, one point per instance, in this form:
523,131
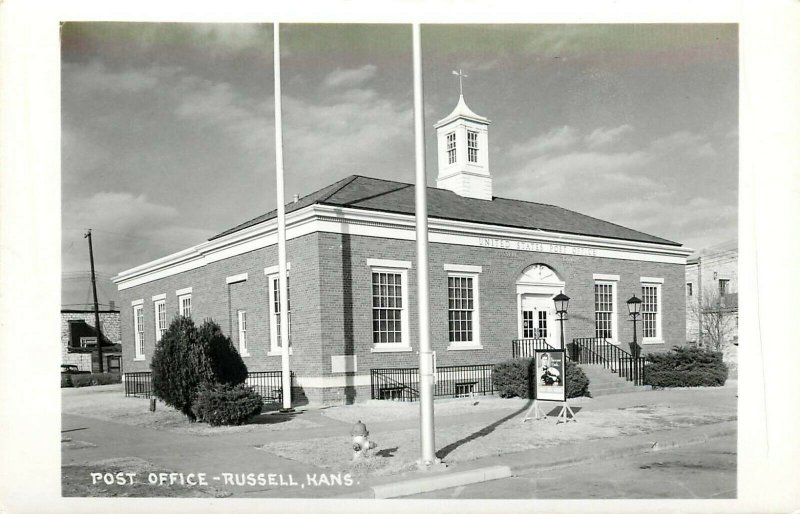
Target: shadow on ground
444,452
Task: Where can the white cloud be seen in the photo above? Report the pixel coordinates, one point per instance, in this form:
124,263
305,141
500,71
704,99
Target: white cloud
558,138
603,136
687,143
95,76
350,77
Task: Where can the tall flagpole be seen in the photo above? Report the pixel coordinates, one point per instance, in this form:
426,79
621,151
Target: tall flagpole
286,377
425,354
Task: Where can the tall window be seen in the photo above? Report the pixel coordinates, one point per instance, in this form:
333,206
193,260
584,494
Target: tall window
689,291
604,310
242,318
542,324
138,332
276,323
472,146
451,148
650,312
387,307
185,303
161,319
724,287
460,305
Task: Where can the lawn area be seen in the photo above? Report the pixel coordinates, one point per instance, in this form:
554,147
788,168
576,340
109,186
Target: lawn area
109,403
460,442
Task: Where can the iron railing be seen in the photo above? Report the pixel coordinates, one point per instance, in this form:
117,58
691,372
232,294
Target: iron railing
266,383
451,381
524,348
138,384
592,350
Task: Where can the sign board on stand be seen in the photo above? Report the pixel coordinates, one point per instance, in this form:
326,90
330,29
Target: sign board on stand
549,377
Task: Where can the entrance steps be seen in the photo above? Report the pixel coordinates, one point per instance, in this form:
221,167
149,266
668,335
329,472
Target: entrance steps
603,381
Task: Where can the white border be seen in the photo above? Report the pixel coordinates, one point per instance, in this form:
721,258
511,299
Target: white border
604,276
159,297
463,268
184,291
388,263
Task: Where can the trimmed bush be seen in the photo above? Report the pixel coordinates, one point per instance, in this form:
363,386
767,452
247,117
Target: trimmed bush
188,357
577,381
65,380
513,379
94,379
227,405
685,367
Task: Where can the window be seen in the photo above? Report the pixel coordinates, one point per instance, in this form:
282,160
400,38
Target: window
651,315
604,317
472,146
160,311
138,332
185,304
724,287
275,322
465,389
387,306
689,289
242,317
542,324
461,308
451,148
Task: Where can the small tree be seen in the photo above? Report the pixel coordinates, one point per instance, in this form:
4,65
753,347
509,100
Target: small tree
187,358
715,316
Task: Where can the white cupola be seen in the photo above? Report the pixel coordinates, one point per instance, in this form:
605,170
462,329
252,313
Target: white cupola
463,148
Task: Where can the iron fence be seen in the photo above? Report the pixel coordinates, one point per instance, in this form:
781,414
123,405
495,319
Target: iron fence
266,383
451,381
526,347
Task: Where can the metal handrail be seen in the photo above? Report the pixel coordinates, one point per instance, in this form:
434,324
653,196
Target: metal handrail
526,346
587,350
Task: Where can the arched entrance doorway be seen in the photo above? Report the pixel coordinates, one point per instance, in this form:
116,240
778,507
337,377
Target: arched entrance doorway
536,287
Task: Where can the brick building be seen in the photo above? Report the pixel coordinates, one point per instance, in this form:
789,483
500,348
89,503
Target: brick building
79,339
495,265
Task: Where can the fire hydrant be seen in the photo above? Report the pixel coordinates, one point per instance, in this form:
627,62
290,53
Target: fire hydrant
361,443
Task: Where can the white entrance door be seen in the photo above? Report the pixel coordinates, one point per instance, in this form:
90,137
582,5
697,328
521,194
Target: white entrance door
538,319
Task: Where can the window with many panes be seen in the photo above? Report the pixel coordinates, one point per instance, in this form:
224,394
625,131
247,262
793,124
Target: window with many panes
185,305
604,310
460,308
472,146
241,317
724,287
387,306
451,148
161,319
276,317
138,332
650,311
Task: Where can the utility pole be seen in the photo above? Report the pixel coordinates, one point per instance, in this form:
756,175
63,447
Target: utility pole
96,311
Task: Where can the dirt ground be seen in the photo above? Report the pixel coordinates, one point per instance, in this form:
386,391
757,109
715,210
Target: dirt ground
398,450
77,481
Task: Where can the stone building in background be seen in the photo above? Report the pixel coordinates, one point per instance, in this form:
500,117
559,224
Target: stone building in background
79,339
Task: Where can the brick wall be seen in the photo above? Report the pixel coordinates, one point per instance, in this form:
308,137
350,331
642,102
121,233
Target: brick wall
346,283
331,302
213,298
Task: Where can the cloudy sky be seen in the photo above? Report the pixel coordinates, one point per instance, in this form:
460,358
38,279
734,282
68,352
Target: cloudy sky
168,128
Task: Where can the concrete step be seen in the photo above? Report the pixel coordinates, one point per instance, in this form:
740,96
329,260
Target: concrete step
603,381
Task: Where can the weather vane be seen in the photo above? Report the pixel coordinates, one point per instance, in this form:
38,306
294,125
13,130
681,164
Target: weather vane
460,77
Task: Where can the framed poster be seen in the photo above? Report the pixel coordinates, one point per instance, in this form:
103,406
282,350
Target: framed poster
549,374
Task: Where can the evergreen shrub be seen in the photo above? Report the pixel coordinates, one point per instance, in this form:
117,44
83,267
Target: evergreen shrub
66,381
188,357
685,367
227,405
513,378
93,379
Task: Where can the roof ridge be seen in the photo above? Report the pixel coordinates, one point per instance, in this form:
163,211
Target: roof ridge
349,180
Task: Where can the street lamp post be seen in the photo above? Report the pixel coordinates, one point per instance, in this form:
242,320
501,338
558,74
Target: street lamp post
634,310
562,301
